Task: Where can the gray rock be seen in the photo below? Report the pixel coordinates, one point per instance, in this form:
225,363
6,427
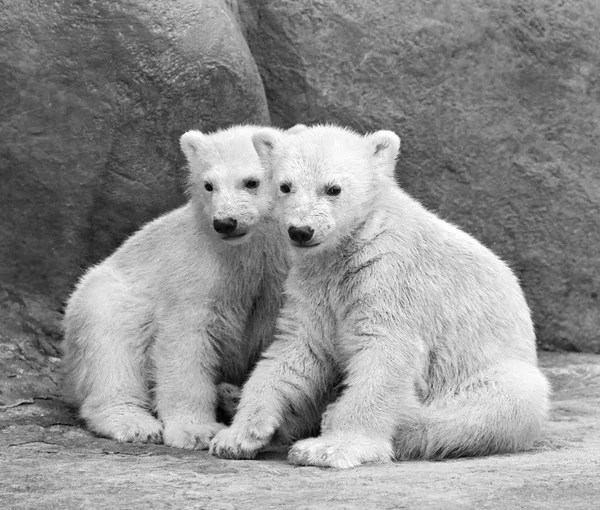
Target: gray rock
498,106
94,96
48,461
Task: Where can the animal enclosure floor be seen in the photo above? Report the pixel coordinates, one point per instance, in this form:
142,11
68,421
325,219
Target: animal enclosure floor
48,461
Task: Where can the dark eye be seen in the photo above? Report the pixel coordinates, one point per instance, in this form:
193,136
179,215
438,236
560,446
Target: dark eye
208,186
334,191
285,188
251,183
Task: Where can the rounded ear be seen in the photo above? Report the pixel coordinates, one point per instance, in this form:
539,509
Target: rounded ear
298,128
265,143
193,143
384,145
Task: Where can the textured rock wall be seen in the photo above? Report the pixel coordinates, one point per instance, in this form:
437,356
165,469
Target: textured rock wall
498,106
94,96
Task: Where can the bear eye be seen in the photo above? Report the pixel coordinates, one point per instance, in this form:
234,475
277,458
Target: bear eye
208,186
333,191
251,183
285,188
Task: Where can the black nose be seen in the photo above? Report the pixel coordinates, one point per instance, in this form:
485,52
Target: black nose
225,226
300,235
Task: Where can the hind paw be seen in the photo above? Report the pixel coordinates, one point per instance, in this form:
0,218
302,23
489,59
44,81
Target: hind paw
341,451
228,398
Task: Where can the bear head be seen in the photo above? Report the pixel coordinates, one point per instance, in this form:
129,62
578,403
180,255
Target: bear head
227,183
327,179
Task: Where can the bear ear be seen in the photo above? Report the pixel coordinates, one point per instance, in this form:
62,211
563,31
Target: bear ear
265,143
193,143
298,128
384,145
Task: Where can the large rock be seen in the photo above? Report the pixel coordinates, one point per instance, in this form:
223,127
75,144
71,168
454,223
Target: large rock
498,105
95,95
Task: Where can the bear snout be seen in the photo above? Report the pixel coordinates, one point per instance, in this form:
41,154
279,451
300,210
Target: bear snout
301,235
225,226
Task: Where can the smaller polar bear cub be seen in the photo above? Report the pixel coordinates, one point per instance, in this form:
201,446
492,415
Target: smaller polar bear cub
186,303
428,330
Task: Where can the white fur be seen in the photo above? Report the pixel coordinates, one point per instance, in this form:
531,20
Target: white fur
426,331
178,308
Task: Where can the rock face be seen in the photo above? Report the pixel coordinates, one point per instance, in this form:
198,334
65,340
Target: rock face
498,106
94,96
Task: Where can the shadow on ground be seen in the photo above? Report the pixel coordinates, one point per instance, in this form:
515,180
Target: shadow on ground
47,460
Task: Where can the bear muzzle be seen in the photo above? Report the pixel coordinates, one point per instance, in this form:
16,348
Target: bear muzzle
302,236
227,227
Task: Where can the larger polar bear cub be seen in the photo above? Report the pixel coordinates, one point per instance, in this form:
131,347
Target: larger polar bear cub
186,303
427,330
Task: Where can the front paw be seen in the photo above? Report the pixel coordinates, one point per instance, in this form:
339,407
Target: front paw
190,435
341,451
125,423
242,442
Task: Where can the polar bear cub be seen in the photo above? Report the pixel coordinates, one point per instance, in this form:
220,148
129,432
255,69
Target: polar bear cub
187,302
428,330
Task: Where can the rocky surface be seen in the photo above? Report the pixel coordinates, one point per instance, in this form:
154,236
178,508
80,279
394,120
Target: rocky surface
48,461
94,97
498,106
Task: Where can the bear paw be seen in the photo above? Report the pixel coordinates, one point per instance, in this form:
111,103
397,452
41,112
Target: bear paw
228,398
127,426
340,451
241,442
190,435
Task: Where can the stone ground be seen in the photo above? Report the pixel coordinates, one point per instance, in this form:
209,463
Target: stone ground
48,461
